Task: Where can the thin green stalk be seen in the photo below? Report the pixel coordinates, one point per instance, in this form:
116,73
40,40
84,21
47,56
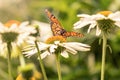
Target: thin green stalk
9,61
41,63
58,67
22,60
103,56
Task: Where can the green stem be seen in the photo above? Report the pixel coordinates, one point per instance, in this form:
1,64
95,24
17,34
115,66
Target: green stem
9,61
41,63
58,67
22,60
103,56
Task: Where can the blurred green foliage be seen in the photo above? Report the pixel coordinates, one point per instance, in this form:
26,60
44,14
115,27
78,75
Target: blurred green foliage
76,67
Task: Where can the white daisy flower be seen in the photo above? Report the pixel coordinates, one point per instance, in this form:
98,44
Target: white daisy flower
16,34
103,21
56,44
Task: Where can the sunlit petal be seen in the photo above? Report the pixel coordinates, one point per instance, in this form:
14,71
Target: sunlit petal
52,48
43,46
92,26
98,31
115,15
78,46
65,54
44,54
117,23
81,24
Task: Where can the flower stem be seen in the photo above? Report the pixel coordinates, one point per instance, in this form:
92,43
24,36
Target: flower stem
103,56
22,61
58,67
9,61
41,63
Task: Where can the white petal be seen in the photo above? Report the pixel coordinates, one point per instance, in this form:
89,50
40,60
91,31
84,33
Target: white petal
69,49
57,42
3,49
98,31
43,46
44,54
72,51
30,52
81,48
28,48
2,27
92,26
27,29
24,23
13,27
115,15
78,46
117,23
76,43
86,20
52,48
98,17
81,24
64,54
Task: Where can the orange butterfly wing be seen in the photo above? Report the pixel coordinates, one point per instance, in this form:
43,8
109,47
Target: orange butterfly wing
57,28
74,34
55,25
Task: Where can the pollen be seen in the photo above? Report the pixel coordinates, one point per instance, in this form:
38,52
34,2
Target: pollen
9,23
55,38
105,13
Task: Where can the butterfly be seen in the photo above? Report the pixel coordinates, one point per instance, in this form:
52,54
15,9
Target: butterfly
58,30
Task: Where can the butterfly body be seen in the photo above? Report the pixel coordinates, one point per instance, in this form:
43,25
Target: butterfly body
58,30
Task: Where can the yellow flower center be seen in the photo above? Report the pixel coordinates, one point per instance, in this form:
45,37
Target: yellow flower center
105,13
55,38
9,23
